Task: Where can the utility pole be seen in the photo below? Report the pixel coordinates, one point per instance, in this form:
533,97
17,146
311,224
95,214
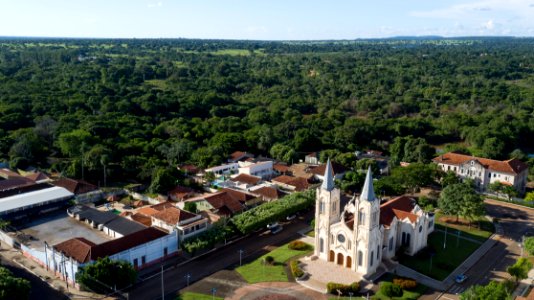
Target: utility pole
162,286
240,256
445,238
187,277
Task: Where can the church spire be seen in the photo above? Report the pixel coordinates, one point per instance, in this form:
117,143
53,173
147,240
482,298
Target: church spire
368,192
328,181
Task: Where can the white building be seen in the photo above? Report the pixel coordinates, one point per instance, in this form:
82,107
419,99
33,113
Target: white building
173,219
485,171
366,232
230,168
263,169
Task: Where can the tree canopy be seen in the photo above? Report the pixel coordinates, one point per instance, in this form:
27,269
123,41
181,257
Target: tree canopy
105,275
460,199
12,287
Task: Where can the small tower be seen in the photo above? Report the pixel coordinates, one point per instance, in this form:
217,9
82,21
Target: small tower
327,212
367,231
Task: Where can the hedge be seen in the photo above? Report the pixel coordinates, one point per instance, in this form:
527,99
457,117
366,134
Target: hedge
390,290
405,283
259,216
298,245
295,269
345,289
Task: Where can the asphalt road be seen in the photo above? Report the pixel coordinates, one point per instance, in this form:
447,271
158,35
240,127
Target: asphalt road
40,290
253,246
516,222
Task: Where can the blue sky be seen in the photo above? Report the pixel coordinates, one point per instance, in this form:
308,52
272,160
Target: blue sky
265,20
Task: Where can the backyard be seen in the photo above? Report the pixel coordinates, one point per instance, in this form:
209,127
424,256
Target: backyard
260,271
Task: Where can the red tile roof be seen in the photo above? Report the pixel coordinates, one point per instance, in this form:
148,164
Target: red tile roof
320,169
299,183
173,215
225,203
78,248
37,176
147,211
281,168
400,207
512,166
140,218
245,178
239,195
181,192
192,169
126,242
75,186
269,193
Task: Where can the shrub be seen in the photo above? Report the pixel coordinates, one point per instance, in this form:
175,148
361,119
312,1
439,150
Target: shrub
345,289
298,245
295,269
269,260
405,283
390,289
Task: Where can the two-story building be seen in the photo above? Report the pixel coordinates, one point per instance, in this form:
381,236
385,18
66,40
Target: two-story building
485,171
174,219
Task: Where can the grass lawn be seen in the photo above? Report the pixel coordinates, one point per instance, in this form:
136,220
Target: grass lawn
445,260
479,230
346,298
196,296
256,271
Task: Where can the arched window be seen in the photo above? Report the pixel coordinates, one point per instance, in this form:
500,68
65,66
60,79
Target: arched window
321,207
360,258
321,245
334,207
372,259
361,217
377,252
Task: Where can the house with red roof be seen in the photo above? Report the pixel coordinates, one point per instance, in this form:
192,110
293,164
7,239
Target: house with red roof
484,171
187,224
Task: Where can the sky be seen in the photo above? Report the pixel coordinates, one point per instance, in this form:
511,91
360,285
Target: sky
265,19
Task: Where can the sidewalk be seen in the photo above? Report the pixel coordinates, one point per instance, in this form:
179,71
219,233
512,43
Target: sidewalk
16,257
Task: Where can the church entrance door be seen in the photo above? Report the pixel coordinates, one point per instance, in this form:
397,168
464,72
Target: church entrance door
332,256
340,259
349,262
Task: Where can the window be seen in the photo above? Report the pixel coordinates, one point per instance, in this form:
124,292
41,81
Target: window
372,259
361,217
360,258
333,207
341,238
136,262
165,251
321,207
349,244
143,259
431,223
489,175
420,228
448,168
391,244
321,245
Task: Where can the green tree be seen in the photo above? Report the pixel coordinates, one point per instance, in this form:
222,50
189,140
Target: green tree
12,287
410,149
449,178
163,180
529,245
105,275
520,269
364,164
73,143
190,206
415,176
461,199
491,291
500,188
284,153
529,197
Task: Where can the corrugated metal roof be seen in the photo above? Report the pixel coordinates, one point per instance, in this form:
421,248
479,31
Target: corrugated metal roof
33,198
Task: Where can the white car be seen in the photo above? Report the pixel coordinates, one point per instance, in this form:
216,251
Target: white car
271,225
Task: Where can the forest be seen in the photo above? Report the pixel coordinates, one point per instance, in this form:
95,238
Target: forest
129,107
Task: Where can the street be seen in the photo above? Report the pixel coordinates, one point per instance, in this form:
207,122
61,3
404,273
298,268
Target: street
515,222
174,279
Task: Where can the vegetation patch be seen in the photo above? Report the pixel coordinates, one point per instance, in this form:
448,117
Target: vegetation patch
197,296
261,271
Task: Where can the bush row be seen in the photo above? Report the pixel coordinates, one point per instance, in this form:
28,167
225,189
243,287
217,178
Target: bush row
298,245
295,269
334,288
405,283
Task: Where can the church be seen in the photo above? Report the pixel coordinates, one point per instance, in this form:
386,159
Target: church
366,232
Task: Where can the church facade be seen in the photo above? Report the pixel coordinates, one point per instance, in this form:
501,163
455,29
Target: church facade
364,232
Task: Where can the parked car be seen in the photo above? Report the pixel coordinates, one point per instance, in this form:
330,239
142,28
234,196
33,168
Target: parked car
276,229
460,278
271,225
291,217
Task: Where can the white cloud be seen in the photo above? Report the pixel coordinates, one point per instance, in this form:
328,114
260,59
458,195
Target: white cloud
519,7
153,5
489,25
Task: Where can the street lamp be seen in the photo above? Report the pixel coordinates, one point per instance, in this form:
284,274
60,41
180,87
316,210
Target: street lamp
445,238
162,285
458,239
187,277
213,291
431,256
240,256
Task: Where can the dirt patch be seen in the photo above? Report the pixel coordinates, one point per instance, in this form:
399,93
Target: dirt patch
225,281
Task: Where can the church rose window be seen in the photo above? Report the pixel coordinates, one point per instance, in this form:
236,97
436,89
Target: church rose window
341,238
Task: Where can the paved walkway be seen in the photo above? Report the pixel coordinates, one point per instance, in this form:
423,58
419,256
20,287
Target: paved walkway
275,291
